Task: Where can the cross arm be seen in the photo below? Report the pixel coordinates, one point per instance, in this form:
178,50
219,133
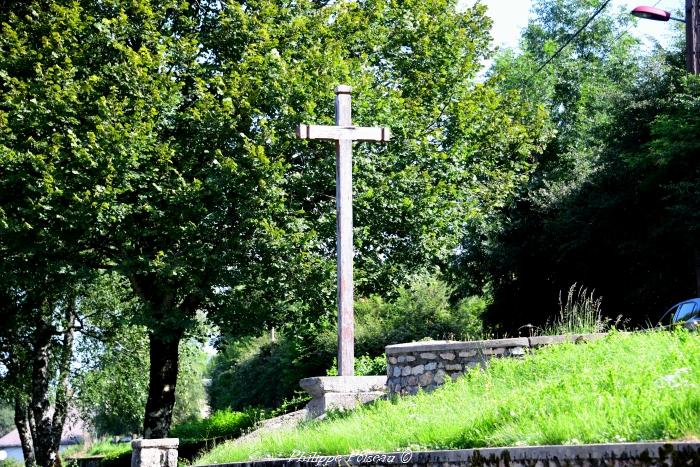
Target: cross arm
355,133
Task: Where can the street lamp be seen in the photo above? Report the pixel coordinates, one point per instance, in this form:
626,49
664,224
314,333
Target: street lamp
655,14
692,28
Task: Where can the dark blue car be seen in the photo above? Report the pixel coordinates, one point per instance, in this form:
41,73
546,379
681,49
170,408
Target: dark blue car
686,312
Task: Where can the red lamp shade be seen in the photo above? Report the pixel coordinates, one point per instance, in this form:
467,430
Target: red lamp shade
649,12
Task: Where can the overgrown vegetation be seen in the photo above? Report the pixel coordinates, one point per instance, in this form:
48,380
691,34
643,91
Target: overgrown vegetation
220,424
579,313
625,387
611,203
137,138
143,164
264,373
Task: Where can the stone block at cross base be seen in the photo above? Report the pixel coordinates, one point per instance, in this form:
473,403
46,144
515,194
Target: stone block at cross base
341,392
154,452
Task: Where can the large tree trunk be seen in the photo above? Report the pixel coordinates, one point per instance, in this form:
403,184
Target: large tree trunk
45,455
162,381
164,340
24,430
61,404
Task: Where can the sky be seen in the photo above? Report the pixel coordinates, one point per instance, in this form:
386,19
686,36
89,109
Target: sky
510,17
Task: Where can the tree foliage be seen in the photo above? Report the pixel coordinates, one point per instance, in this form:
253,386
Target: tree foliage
7,418
609,204
155,139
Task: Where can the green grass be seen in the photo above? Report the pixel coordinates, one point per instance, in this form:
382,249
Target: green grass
11,463
102,448
625,387
108,449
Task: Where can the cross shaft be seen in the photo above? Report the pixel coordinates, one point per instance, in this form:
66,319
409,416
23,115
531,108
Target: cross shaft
344,133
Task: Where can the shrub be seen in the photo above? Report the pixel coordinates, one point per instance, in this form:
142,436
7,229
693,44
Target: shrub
117,458
364,366
264,373
198,436
221,424
421,311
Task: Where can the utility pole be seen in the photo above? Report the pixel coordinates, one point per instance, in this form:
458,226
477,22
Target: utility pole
692,33
692,60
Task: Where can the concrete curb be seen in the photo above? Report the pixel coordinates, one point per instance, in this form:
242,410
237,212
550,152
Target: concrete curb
587,455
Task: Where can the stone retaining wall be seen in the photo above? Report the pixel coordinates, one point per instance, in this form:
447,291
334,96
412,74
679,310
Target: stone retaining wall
426,365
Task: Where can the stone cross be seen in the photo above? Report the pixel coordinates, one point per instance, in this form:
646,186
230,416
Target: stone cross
343,133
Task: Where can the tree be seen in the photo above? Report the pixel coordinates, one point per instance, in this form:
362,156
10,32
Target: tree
610,205
112,386
71,84
38,304
672,152
191,397
524,249
164,130
35,355
109,382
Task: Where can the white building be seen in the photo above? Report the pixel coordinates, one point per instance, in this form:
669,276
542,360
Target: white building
73,433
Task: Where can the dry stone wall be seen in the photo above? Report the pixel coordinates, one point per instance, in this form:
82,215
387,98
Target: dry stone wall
426,365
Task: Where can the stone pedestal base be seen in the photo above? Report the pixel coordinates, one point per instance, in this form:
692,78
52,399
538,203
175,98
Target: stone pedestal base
341,392
154,452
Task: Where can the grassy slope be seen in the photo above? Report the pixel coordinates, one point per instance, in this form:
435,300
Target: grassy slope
108,449
102,448
626,387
